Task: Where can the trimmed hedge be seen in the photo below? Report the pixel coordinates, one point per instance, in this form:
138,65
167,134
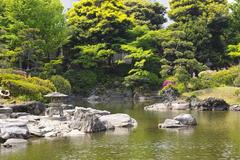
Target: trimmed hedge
32,87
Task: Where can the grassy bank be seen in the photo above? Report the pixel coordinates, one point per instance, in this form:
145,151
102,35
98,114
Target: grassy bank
227,93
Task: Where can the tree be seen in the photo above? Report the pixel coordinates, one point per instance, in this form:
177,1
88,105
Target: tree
98,27
145,12
178,56
44,15
204,23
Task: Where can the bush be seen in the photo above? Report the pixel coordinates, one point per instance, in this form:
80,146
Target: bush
31,88
62,85
237,81
82,81
141,79
211,79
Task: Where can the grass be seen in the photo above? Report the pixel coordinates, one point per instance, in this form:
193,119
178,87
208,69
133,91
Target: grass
227,93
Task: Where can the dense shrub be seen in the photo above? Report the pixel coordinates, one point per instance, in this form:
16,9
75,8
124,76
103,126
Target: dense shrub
211,79
32,88
82,81
237,81
62,85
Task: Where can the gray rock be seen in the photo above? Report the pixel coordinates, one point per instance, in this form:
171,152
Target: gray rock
158,107
14,142
13,129
4,116
18,114
6,110
186,119
180,106
74,133
119,120
212,104
171,123
94,99
33,107
234,108
87,120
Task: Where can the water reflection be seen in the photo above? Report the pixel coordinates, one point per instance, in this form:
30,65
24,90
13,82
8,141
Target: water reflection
215,137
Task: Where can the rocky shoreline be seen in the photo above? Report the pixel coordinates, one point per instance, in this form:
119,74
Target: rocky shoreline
15,130
209,104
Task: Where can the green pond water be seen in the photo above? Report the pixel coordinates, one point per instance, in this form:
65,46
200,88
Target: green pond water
217,136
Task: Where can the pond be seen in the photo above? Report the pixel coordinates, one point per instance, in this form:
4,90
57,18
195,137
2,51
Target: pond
217,136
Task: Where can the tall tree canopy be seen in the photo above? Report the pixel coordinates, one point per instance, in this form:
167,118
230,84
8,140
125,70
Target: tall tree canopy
204,23
43,19
145,12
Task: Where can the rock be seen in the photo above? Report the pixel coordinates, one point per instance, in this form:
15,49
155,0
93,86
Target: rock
74,133
186,119
180,106
171,123
33,107
14,142
87,120
119,120
158,107
18,114
4,116
6,110
13,129
235,108
94,99
212,104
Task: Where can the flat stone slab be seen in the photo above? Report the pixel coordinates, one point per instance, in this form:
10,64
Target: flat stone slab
6,110
158,107
119,120
14,142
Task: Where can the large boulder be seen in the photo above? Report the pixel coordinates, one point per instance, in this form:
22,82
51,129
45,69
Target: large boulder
213,104
186,119
171,123
33,107
10,128
87,120
119,120
158,107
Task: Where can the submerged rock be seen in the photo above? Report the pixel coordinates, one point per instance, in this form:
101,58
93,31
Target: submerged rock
182,120
212,104
14,142
158,107
119,120
171,123
180,106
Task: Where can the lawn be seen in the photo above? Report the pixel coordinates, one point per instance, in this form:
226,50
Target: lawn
227,93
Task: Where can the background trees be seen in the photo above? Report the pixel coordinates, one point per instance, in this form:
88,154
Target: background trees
99,42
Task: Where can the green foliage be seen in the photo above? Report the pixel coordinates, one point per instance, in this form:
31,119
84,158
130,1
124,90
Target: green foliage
32,87
215,79
236,81
32,33
82,81
138,78
145,12
178,56
62,85
204,22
